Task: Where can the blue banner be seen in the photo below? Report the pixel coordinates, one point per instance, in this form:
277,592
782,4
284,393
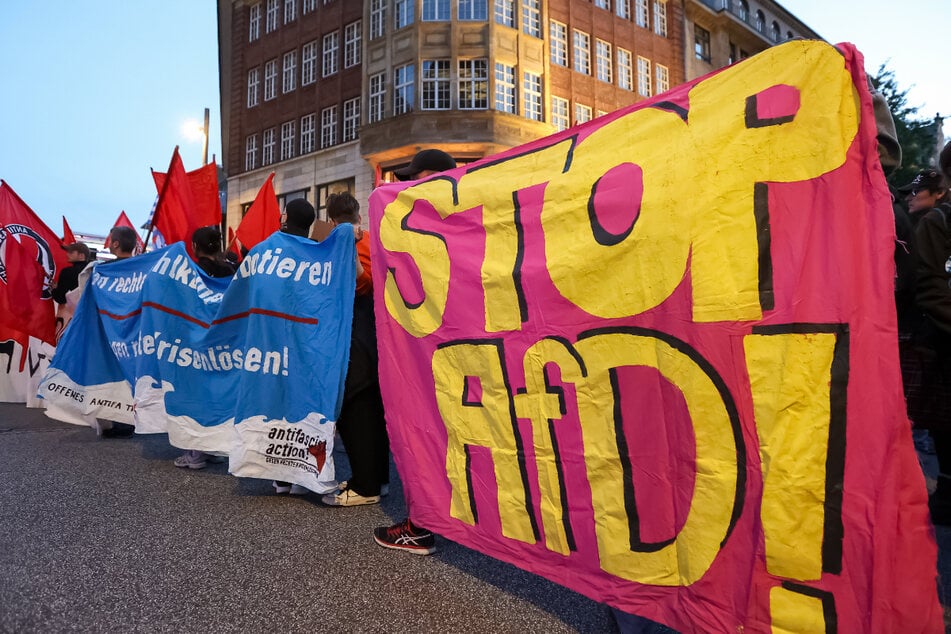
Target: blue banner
252,366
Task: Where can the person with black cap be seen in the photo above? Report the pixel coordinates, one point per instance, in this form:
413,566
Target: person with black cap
78,255
929,404
405,535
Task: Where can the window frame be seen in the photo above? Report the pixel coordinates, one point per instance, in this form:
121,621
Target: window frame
288,139
254,82
353,44
503,12
308,63
330,58
251,152
506,90
472,86
308,133
435,78
604,70
581,52
328,127
560,115
558,43
267,146
270,80
532,96
289,76
625,69
532,18
404,89
376,97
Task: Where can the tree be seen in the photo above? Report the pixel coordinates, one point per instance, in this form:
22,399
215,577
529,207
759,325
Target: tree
916,135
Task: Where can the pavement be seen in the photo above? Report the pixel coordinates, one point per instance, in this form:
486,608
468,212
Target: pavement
107,535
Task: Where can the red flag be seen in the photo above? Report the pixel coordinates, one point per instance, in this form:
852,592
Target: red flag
123,221
185,201
30,259
234,244
68,237
263,217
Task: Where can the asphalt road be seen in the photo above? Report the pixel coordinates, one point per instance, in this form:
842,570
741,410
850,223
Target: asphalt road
107,535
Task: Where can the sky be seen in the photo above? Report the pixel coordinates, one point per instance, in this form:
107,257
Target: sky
95,93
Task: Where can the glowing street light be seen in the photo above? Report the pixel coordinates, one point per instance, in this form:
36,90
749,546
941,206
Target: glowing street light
192,130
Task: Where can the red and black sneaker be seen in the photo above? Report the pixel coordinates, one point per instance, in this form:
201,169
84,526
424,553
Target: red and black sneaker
406,536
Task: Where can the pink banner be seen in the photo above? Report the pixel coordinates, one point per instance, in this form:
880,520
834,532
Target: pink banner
654,357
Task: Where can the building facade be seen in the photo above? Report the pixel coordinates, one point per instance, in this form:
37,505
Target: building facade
333,95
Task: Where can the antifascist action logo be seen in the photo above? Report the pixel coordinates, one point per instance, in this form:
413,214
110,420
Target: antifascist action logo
44,255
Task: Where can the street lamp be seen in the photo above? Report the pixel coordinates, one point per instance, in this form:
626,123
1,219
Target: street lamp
191,129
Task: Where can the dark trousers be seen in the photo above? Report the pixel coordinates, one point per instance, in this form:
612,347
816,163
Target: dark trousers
362,427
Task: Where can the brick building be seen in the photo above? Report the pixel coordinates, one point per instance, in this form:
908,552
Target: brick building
333,94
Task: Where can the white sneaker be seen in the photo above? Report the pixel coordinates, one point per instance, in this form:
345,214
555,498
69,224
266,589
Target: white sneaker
349,497
384,488
191,459
281,487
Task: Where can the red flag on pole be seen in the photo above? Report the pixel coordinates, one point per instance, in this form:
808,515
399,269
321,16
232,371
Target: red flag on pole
68,237
263,217
179,211
31,257
123,221
234,244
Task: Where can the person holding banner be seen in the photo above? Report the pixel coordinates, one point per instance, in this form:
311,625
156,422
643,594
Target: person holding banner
78,255
361,425
927,197
296,220
121,242
206,243
405,535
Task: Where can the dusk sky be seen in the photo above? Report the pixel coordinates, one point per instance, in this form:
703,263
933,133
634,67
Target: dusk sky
96,92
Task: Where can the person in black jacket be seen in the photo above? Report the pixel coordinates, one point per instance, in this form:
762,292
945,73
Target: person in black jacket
78,255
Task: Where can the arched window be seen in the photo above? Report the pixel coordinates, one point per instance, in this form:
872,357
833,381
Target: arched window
760,22
789,35
776,32
743,10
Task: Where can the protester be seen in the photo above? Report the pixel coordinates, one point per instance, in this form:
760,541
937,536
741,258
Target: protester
361,424
206,244
406,535
121,243
296,220
78,255
927,197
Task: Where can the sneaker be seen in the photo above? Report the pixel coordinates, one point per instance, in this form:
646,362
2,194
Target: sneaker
191,459
281,487
297,489
405,536
384,488
349,497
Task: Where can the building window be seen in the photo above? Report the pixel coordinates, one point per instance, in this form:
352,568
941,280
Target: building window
287,140
643,76
404,88
505,12
351,118
559,113
743,10
331,48
558,36
625,70
532,96
270,23
377,18
602,51
352,37
582,113
623,9
253,82
377,97
776,32
403,10
435,78
661,78
734,54
289,80
473,84
640,15
435,10
603,4
267,155
701,42
270,80
308,63
504,88
473,10
308,6
307,133
251,153
760,22
290,11
328,126
532,17
660,17
582,52
254,23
